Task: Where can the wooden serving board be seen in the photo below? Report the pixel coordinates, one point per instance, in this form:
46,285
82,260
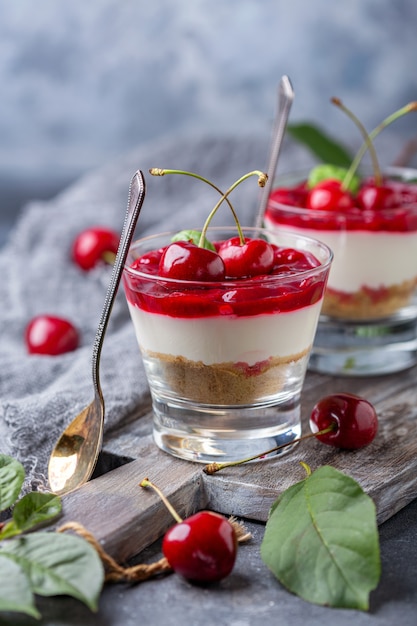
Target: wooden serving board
126,518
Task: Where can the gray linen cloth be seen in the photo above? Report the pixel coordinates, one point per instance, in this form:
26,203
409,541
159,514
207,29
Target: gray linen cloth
40,395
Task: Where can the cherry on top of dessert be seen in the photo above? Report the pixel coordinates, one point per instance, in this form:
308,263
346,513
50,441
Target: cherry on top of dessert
373,197
329,195
256,259
183,260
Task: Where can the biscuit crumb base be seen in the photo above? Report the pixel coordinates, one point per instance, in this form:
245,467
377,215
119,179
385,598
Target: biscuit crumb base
225,383
368,304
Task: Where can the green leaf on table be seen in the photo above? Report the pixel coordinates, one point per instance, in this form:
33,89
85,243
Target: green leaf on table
33,509
15,591
321,540
58,564
194,236
322,146
12,475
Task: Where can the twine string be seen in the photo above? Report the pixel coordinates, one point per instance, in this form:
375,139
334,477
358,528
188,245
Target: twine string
116,573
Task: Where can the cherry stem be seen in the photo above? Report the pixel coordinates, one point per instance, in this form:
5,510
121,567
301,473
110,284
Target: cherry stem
369,143
156,171
408,108
147,483
306,467
212,468
262,178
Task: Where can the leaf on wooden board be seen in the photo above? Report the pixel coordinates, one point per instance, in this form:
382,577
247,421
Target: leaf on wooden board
12,475
58,564
321,540
33,509
15,592
321,145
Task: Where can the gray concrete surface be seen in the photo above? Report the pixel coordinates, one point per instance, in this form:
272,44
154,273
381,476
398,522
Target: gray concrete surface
250,596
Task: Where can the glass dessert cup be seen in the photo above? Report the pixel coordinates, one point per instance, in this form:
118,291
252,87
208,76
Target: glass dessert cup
226,360
368,324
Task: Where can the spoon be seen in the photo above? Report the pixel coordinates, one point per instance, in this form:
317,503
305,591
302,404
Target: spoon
74,457
285,99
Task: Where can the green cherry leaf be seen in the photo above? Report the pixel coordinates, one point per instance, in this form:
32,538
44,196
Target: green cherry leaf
321,145
326,171
15,593
33,509
321,541
58,564
194,236
12,475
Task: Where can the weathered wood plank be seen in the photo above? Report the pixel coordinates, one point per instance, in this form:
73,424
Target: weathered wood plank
123,516
126,518
387,469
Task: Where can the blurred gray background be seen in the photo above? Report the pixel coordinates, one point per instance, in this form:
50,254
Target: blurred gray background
82,82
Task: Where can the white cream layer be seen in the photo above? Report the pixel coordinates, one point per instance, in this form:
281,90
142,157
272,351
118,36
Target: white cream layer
224,339
364,258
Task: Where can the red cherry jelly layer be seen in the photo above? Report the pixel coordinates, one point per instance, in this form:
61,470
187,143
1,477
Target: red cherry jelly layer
399,214
374,296
295,281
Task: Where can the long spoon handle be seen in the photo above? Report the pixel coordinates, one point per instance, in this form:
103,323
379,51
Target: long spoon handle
134,205
285,99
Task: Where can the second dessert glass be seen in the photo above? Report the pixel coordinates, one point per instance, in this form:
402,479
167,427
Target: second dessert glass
226,360
368,324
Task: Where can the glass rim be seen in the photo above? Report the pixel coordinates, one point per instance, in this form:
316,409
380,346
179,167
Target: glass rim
238,282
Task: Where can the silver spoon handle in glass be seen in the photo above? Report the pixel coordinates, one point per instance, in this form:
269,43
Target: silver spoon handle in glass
285,99
134,205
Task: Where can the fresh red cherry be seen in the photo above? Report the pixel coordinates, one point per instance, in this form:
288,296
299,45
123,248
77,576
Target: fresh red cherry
46,334
373,197
202,548
291,196
94,245
354,419
183,260
329,195
148,262
254,257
